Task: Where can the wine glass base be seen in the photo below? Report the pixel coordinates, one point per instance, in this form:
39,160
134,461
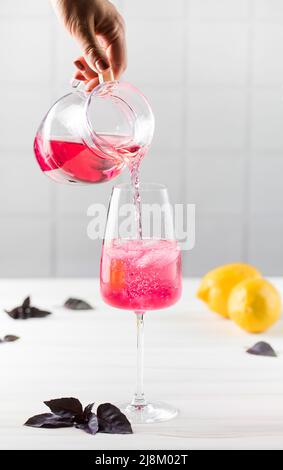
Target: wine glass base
155,412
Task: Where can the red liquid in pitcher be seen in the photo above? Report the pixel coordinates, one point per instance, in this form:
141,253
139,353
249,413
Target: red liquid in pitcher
76,162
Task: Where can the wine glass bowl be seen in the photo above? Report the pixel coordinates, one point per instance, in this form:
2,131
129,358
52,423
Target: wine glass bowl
141,275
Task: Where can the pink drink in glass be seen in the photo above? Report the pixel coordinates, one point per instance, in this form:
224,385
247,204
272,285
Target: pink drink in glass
141,274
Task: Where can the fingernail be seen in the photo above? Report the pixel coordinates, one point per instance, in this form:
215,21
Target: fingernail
79,76
101,65
79,65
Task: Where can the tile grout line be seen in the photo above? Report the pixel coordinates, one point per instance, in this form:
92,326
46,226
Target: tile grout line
185,153
53,217
124,175
186,6
247,173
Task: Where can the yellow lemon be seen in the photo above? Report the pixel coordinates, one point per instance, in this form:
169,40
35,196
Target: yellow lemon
254,305
217,284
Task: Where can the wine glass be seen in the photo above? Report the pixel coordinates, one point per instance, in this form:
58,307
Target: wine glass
141,272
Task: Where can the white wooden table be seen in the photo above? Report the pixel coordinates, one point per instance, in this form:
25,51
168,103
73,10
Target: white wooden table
194,359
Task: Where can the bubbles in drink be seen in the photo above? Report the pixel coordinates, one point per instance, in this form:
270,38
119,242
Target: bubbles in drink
141,274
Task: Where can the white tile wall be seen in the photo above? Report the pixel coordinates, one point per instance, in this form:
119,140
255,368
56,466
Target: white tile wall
26,9
213,72
265,243
24,59
267,49
217,53
70,200
220,237
25,246
162,64
76,253
267,119
22,108
65,51
160,165
24,189
266,185
168,125
216,119
268,9
211,176
219,9
158,9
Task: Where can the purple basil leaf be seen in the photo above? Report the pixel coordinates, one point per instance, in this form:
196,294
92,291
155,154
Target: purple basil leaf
66,407
15,313
49,420
10,338
262,349
25,311
77,304
37,313
112,420
87,411
91,424
26,303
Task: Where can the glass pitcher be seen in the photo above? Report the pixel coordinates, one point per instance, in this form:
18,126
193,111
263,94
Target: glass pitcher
90,137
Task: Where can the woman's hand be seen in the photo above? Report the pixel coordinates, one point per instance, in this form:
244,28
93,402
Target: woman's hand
100,31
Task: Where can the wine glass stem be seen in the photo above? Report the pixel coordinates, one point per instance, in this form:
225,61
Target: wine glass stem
139,399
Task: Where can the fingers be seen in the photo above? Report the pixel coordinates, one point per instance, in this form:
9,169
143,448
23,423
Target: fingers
92,84
94,54
93,62
100,31
105,47
84,68
86,74
117,54
79,76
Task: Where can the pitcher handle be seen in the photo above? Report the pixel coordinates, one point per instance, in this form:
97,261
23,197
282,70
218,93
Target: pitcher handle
106,76
102,77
